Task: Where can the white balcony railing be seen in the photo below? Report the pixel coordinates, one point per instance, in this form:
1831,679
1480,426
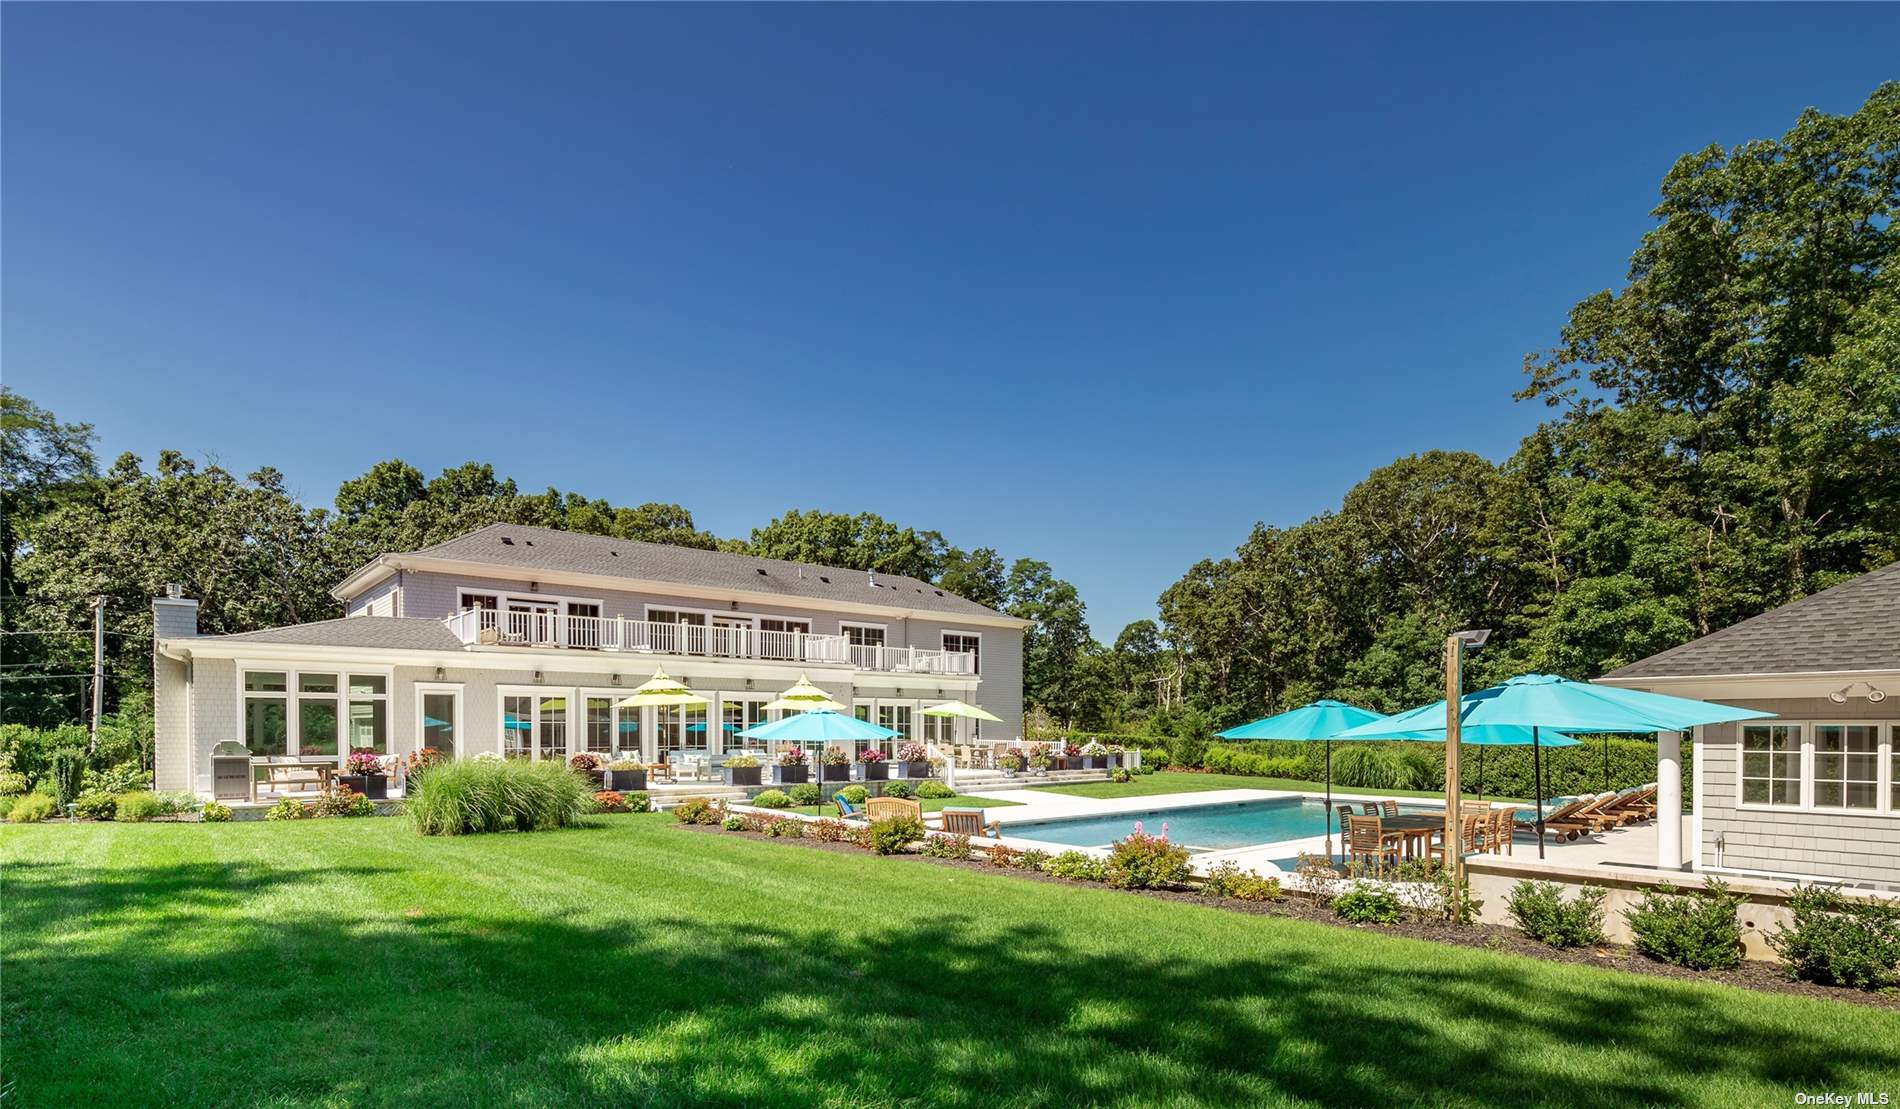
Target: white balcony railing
614,633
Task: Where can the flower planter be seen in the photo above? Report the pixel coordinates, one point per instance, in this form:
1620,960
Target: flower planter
836,772
749,775
1069,762
373,786
877,771
1095,762
598,777
626,781
917,769
791,775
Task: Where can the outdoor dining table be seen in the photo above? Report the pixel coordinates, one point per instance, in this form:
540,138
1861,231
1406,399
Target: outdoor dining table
1414,830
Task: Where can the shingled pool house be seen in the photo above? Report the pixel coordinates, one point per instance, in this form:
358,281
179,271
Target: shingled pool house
1813,794
520,641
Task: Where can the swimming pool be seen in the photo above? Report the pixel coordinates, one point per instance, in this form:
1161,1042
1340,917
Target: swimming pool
1196,827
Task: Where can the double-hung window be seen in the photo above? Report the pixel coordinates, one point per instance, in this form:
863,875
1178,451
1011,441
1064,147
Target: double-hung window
1846,766
1771,764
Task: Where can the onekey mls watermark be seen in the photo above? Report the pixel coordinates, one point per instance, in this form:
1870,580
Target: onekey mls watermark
1857,1097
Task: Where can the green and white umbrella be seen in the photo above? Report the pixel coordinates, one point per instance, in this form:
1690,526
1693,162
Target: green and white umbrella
661,690
805,697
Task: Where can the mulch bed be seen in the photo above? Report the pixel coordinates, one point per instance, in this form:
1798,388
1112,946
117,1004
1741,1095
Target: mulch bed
1751,975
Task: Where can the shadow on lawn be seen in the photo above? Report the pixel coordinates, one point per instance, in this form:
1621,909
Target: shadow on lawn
217,994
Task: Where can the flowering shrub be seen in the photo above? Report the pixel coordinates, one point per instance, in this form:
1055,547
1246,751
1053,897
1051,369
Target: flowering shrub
939,845
830,831
870,754
215,812
1033,859
792,756
610,800
786,828
1368,904
363,761
584,761
1228,880
1077,865
342,801
1121,774
732,824
1006,857
697,810
1145,862
913,752
420,760
288,808
637,801
837,756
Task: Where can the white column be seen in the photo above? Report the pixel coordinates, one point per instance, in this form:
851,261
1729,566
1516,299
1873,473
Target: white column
1669,800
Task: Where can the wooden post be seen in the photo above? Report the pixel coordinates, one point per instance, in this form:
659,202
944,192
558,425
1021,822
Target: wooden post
1454,825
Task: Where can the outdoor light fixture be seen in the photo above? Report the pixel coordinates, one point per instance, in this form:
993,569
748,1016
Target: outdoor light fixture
537,677
614,679
534,587
1873,694
1473,637
440,673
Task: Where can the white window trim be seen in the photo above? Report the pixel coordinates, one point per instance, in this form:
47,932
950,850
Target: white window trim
293,723
453,689
1887,734
882,629
614,749
504,597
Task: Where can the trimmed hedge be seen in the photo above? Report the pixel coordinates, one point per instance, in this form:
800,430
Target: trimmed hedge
1507,770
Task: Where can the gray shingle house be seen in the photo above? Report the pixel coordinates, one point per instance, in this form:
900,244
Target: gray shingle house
519,641
1815,792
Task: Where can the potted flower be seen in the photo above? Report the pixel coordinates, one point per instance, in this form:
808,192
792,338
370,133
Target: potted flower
1094,755
589,768
1071,756
742,770
792,766
1117,755
626,776
363,773
916,759
1040,759
875,769
836,765
1011,761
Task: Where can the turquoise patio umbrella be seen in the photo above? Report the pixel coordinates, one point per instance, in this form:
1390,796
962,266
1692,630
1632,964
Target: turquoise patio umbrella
823,726
1537,701
1321,721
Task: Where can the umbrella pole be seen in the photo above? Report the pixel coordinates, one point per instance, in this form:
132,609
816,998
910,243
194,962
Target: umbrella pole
1606,761
1537,775
1480,775
1329,803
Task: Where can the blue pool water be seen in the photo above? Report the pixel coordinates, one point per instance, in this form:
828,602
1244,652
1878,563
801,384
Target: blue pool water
1197,827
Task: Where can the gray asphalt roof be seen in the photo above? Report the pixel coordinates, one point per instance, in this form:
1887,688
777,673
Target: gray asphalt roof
406,632
1853,626
573,552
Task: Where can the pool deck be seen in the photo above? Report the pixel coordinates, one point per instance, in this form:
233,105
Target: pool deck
1621,846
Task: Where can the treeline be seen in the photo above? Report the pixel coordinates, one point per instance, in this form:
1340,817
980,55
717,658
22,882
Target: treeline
256,557
1726,438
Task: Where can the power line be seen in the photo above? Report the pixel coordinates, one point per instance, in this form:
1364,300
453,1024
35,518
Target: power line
40,677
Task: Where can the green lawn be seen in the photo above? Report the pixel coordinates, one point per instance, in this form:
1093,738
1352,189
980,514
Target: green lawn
352,962
928,804
1167,781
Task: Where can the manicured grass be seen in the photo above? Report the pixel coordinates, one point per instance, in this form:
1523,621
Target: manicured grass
631,961
929,804
1166,781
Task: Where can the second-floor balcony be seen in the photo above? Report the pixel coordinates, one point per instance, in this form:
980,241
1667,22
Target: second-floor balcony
734,641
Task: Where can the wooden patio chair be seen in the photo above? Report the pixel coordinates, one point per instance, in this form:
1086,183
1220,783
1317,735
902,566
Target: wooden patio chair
1503,828
1631,806
1371,807
1366,839
968,822
1470,830
1345,814
1388,808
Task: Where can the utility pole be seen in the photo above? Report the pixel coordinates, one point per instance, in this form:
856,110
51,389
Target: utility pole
98,668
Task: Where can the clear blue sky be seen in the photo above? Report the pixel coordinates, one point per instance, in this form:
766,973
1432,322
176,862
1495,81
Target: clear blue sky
1102,285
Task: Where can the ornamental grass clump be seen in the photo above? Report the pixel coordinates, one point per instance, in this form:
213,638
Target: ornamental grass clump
1698,930
1145,862
480,795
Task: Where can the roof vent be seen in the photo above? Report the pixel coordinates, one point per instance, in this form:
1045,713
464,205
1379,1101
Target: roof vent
939,592
616,554
872,574
824,579
508,541
529,542
762,571
174,590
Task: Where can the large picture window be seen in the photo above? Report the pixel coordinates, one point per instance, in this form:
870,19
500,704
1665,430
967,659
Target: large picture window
305,713
600,725
1771,764
968,644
